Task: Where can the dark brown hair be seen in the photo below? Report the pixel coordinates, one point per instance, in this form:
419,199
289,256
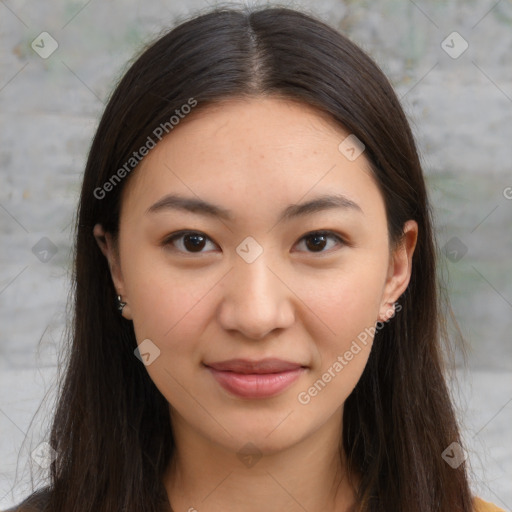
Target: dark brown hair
111,429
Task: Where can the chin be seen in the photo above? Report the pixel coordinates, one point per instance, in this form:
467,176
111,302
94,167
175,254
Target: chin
269,435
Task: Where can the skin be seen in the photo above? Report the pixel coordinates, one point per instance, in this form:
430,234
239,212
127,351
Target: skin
255,157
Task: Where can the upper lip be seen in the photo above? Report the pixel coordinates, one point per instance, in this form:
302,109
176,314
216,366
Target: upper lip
269,365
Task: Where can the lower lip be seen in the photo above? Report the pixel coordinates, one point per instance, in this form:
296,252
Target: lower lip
254,385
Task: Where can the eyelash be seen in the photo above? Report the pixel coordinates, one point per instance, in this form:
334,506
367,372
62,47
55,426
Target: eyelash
180,234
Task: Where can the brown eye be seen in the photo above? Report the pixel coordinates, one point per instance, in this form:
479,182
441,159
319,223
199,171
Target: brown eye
318,240
188,241
193,242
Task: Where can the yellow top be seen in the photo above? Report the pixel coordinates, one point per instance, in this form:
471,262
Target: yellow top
484,506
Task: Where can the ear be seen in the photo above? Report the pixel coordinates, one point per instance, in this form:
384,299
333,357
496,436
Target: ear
109,249
399,270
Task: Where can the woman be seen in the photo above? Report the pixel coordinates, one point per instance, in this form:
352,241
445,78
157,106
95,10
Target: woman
257,323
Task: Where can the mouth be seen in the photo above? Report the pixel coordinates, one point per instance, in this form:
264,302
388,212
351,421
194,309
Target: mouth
255,379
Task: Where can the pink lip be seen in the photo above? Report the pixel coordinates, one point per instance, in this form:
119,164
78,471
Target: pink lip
255,379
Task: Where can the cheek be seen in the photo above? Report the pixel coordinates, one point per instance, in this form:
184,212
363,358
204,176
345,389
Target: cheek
163,299
348,304
172,309
348,301
160,311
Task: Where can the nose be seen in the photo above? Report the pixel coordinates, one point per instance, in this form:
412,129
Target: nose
256,301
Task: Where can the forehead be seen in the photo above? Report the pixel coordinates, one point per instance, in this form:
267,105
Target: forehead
267,147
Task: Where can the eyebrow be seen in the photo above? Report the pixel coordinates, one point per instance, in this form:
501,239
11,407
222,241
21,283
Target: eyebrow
198,206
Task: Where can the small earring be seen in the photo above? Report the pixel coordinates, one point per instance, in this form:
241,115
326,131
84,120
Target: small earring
120,304
390,313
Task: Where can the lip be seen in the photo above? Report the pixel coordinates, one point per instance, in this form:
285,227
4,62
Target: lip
255,379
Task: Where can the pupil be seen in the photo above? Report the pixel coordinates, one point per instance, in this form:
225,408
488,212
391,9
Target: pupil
316,245
197,242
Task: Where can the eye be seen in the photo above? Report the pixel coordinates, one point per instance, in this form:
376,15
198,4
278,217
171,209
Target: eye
195,241
316,241
188,241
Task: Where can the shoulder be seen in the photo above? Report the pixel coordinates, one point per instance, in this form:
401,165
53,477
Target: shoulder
36,502
484,506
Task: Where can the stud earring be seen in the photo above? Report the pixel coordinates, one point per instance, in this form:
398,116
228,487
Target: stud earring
120,304
390,313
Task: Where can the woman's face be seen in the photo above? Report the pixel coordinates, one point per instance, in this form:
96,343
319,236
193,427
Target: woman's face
250,278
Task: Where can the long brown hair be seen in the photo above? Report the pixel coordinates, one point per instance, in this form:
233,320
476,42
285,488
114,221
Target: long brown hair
111,430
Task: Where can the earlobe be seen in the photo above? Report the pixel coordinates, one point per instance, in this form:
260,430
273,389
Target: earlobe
400,269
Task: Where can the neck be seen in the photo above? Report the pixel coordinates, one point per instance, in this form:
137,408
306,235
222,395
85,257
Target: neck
310,475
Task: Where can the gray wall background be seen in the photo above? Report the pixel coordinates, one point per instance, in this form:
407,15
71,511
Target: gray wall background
459,102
